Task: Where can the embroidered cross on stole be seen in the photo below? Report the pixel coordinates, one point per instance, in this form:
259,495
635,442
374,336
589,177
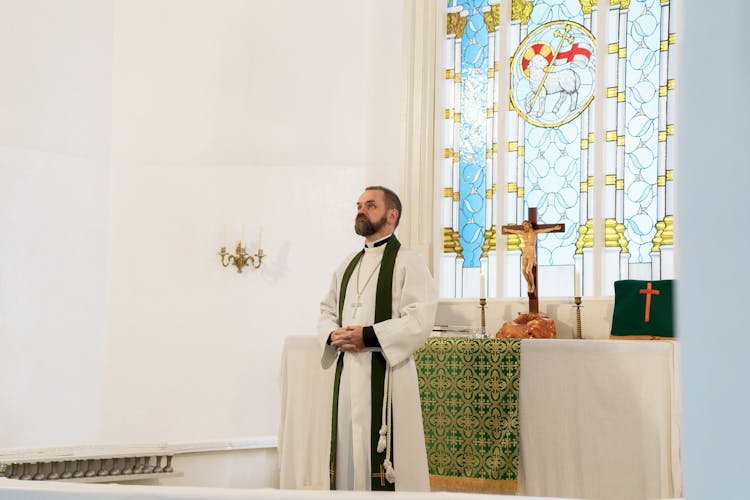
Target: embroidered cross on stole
383,311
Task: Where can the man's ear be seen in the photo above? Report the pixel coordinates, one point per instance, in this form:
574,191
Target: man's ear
392,215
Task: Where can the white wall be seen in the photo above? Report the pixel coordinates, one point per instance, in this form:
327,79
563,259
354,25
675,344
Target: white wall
234,113
131,133
223,469
384,25
712,294
55,125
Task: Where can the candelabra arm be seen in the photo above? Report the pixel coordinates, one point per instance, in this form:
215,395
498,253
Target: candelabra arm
225,257
258,256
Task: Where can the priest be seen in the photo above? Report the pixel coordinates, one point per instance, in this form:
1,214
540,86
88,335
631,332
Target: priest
379,310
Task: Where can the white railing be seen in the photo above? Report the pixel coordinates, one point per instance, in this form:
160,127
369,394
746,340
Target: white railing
112,463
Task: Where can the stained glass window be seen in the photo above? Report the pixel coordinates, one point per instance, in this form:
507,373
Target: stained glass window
546,150
471,145
638,206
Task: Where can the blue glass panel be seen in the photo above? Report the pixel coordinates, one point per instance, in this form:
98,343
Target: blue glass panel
473,131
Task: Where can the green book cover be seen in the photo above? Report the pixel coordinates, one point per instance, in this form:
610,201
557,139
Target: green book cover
643,308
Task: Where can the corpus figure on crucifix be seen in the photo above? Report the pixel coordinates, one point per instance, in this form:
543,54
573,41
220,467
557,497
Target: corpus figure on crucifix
532,324
528,259
528,231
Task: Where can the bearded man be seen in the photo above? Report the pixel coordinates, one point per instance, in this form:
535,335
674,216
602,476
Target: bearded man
376,324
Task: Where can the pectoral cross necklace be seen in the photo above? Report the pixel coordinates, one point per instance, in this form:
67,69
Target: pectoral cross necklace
356,305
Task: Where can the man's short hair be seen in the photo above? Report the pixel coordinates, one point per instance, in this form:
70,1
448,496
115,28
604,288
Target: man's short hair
391,200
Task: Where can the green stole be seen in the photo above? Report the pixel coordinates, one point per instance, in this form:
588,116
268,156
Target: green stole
383,312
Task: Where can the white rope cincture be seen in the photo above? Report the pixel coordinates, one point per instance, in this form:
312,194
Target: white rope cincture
383,415
385,430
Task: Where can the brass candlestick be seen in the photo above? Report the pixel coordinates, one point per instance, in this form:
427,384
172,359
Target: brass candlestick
579,332
482,304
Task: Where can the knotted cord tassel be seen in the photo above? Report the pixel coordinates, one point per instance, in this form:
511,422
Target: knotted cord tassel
382,439
390,474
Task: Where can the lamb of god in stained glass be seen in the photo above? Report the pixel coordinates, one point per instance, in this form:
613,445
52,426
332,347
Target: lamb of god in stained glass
555,61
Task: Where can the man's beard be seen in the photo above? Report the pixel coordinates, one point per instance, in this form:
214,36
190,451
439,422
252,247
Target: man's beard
363,226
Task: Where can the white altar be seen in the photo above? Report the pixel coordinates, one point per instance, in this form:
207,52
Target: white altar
598,418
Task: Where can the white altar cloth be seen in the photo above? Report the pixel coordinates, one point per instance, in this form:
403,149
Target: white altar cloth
599,418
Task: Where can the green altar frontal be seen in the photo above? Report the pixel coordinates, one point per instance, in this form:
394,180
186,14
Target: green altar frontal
469,389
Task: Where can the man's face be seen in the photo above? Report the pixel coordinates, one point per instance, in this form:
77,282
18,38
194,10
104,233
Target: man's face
372,214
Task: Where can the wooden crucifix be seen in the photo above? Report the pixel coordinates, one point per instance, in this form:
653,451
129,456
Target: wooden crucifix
528,231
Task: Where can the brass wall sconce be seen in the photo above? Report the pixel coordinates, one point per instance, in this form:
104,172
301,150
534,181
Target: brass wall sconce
241,258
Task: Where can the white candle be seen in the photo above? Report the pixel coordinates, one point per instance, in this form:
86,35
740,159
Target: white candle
482,286
260,238
224,235
578,283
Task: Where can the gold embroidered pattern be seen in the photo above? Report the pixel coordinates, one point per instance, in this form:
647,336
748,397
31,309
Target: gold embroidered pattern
469,391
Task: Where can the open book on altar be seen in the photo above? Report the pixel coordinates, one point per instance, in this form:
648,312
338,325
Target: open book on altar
449,331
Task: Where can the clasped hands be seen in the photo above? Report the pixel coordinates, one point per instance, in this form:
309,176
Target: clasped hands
348,339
